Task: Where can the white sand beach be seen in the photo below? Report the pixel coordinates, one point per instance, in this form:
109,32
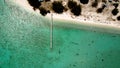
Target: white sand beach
66,16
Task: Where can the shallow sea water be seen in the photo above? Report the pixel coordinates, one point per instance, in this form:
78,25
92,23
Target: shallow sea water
25,38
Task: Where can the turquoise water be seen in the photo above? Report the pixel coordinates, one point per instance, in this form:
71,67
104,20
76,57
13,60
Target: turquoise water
24,43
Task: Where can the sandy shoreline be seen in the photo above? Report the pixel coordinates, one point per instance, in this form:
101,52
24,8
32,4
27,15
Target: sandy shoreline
75,21
67,17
